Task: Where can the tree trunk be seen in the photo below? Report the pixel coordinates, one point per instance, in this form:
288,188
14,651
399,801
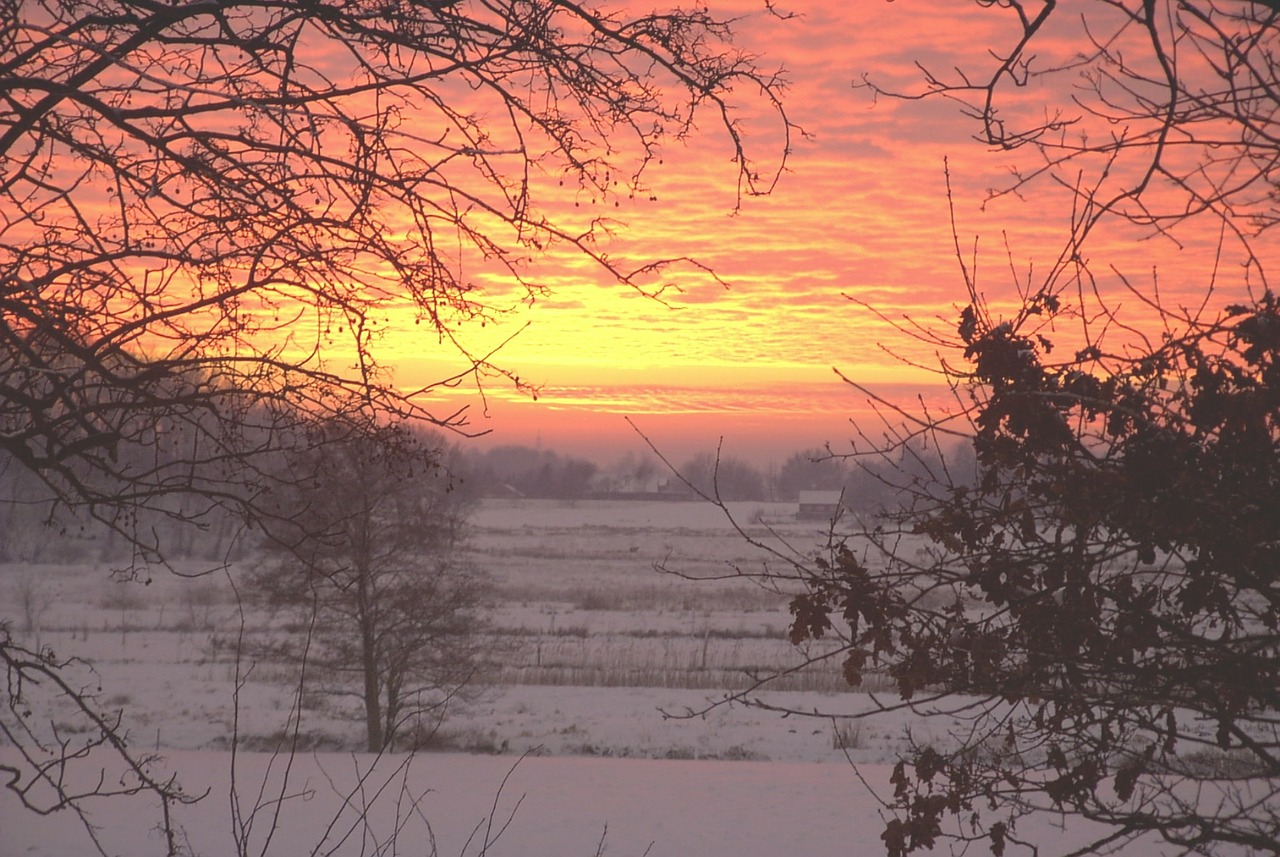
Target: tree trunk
369,659
372,696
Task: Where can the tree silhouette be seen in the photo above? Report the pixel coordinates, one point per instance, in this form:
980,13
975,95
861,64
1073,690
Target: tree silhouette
384,608
1104,593
723,477
1090,608
209,210
1157,113
1097,613
810,469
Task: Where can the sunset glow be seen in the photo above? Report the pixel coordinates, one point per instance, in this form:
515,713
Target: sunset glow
861,213
881,207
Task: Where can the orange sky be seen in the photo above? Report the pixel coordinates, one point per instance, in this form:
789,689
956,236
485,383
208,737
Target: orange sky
861,212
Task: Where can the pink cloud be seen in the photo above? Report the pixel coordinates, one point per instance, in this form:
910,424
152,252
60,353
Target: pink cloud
862,213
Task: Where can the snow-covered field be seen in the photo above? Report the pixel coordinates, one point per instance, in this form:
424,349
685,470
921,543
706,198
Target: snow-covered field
601,654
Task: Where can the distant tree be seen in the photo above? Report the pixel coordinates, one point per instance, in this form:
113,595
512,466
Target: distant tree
634,473
885,478
557,478
724,477
812,469
575,478
383,606
532,472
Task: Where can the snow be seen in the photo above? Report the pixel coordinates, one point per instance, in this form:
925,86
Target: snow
588,770
562,806
555,806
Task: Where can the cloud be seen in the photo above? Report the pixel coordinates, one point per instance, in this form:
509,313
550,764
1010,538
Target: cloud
862,213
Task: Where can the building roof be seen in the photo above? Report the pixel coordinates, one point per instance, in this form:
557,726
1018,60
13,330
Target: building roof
820,498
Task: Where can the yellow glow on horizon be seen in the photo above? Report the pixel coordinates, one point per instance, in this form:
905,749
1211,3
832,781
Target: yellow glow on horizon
861,219
862,213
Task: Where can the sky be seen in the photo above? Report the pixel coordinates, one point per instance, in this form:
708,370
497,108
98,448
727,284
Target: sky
857,230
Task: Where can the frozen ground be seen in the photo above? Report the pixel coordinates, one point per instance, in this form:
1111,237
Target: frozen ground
555,806
598,651
563,807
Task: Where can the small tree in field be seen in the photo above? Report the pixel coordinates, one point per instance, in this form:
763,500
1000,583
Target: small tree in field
384,608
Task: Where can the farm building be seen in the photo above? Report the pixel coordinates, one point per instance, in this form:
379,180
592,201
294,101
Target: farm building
822,505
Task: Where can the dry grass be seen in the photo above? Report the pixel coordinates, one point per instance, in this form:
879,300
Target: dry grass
666,660
578,606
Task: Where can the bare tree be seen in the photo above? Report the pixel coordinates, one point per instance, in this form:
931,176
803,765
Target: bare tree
210,210
383,607
1092,615
713,475
1155,113
64,765
808,470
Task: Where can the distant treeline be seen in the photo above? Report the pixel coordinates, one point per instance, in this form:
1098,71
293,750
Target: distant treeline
867,484
34,529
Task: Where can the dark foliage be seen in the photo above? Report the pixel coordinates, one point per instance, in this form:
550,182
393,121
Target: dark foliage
1091,608
1102,607
1097,607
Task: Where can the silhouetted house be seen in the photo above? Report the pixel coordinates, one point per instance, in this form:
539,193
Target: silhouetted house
819,505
